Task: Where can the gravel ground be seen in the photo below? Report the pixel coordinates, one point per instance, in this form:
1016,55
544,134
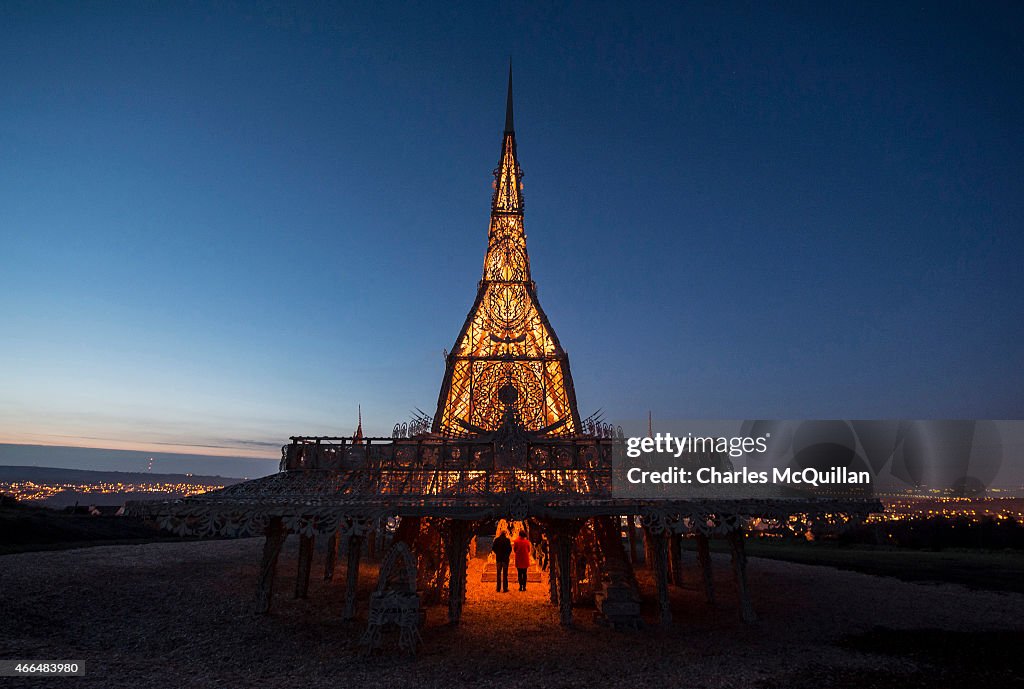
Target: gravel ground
175,614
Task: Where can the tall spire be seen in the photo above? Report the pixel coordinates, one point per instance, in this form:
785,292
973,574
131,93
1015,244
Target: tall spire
357,437
508,177
509,128
507,356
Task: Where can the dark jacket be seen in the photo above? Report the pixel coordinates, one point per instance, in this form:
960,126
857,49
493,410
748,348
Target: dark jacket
502,548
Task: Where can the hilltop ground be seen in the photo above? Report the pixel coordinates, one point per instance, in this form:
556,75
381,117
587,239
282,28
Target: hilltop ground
26,526
170,614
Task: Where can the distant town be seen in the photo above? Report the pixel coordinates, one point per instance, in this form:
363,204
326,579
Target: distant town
54,487
30,490
58,488
998,504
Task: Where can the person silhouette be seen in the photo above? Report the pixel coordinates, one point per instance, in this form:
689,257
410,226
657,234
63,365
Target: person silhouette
522,549
502,548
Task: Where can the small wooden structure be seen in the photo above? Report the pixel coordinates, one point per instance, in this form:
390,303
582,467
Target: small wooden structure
395,602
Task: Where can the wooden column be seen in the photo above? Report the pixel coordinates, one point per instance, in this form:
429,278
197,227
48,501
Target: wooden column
355,551
457,534
552,577
659,551
704,561
382,546
564,532
332,557
631,532
675,554
371,543
276,535
305,562
739,567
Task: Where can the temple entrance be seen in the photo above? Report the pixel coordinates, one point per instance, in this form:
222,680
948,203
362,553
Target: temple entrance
512,529
598,574
513,611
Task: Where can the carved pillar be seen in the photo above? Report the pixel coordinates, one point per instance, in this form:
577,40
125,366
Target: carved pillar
382,545
739,567
648,551
371,543
332,557
457,534
675,553
355,551
564,532
305,562
659,556
552,571
631,532
704,561
276,535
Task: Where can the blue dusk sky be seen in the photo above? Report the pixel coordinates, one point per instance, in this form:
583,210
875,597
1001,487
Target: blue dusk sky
222,224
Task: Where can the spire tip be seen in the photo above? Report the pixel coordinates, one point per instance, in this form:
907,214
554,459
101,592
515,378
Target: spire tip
509,127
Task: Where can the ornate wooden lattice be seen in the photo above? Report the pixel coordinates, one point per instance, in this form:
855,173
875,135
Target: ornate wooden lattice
507,353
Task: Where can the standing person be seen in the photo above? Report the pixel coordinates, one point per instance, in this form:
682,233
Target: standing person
522,550
502,548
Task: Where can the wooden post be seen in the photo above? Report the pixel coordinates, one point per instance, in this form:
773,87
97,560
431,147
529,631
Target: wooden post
355,551
659,551
552,571
371,544
564,532
675,552
332,557
739,567
276,535
565,579
704,561
631,532
305,562
381,535
648,550
457,534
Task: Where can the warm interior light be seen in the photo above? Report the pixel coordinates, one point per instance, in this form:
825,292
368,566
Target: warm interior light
507,339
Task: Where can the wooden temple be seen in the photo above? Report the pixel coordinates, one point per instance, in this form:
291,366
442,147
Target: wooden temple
506,442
